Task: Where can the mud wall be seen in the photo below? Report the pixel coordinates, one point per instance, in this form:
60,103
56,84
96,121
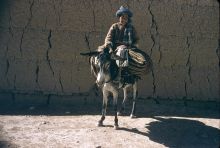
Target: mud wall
40,42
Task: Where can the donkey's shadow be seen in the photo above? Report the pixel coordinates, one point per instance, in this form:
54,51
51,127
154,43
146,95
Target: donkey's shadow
175,132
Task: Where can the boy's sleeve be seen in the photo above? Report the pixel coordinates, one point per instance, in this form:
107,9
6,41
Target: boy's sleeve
109,37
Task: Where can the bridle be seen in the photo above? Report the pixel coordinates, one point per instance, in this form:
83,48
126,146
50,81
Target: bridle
113,73
112,69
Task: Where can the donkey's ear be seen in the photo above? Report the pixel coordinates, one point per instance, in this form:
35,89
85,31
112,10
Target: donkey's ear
92,53
116,57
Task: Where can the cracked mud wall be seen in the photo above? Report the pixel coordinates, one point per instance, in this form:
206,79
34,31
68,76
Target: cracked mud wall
40,42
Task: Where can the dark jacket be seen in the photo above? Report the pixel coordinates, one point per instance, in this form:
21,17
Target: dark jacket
117,36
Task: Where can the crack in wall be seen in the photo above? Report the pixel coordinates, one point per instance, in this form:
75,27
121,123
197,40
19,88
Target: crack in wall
7,67
173,66
49,39
48,50
188,46
60,81
10,23
195,7
186,93
31,13
21,41
154,84
182,16
151,49
28,23
87,41
155,36
209,83
152,20
218,49
6,54
37,74
188,63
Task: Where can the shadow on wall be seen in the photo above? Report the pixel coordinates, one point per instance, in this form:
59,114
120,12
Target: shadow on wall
3,4
173,132
91,105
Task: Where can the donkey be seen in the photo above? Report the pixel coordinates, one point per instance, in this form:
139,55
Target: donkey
108,77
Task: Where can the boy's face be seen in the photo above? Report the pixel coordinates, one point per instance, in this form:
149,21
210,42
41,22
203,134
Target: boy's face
123,19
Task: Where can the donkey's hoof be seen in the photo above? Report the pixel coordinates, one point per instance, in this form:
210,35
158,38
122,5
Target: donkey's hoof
116,127
132,116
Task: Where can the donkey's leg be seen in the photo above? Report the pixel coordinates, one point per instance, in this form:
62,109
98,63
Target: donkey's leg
104,107
122,110
115,101
135,93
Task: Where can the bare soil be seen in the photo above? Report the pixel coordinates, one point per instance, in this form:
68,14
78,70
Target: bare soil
156,126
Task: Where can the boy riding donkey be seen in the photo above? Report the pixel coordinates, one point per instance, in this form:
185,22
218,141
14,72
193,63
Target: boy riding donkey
119,63
122,39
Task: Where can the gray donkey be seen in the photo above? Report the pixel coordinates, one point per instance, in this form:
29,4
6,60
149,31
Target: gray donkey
109,77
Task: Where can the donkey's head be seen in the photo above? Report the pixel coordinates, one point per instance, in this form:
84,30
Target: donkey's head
104,66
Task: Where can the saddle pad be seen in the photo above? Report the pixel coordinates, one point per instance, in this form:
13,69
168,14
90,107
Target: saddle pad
137,57
140,63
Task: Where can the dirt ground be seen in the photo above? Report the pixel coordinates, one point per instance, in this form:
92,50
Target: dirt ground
166,124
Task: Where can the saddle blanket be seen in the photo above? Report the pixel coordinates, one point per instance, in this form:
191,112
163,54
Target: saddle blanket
137,62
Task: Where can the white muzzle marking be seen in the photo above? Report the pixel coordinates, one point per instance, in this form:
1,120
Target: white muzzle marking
100,78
